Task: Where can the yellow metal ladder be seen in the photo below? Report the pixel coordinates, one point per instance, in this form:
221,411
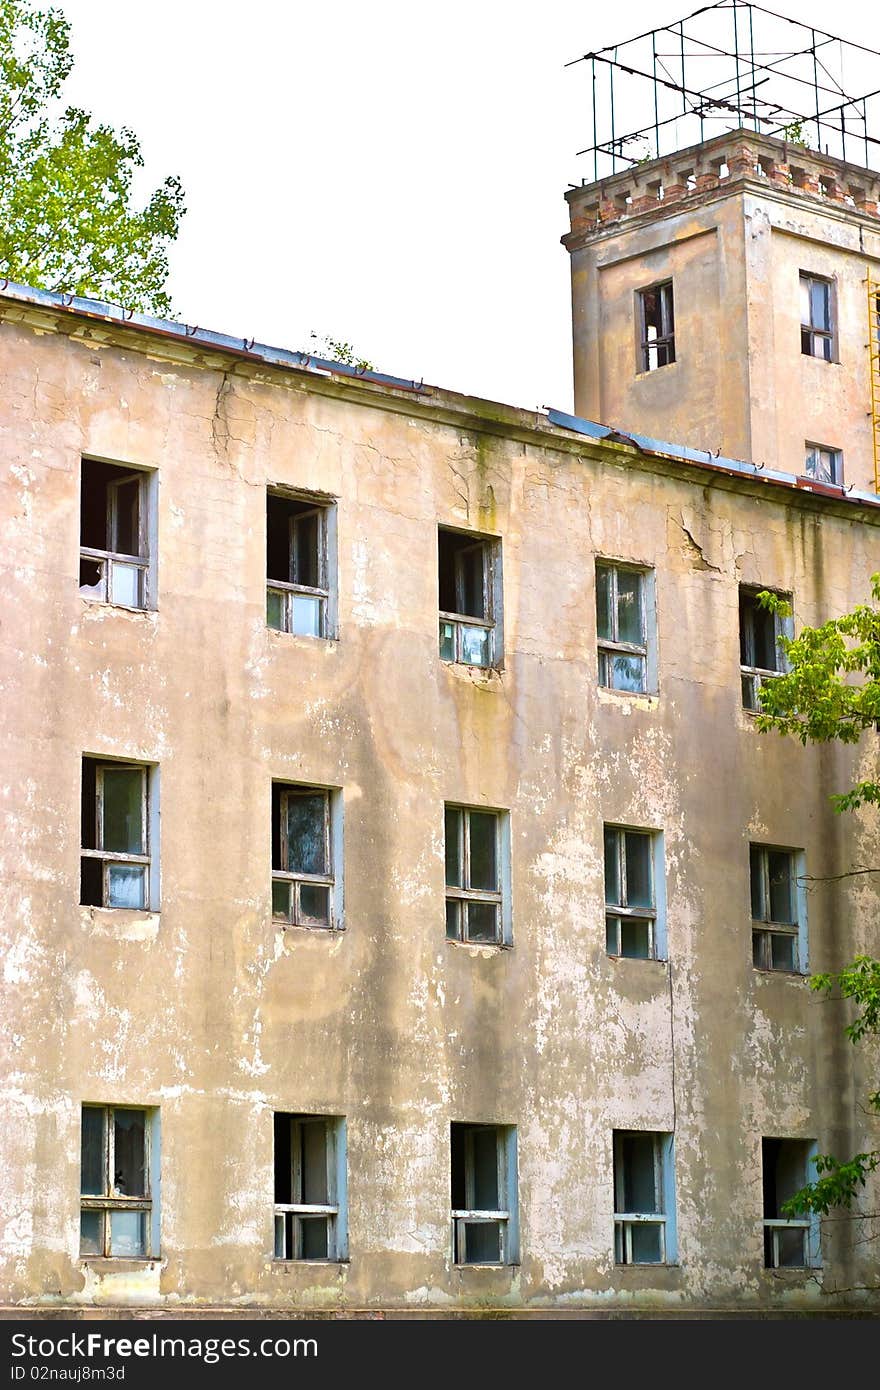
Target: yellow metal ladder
874,362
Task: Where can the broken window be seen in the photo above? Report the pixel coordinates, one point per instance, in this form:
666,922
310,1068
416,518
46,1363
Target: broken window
656,326
298,536
621,620
475,844
114,556
484,1225
470,598
115,857
759,651
631,918
778,927
303,881
644,1230
116,1207
823,464
817,322
789,1242
309,1187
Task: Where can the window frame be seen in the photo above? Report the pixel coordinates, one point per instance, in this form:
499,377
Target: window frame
752,677
459,621
331,880
464,894
765,929
111,1199
655,914
773,1227
110,858
664,1197
811,334
664,343
107,560
324,510
608,648
334,1210
835,457
505,1216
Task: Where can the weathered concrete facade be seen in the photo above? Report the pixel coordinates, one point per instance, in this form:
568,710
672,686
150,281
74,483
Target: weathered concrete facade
214,1016
732,223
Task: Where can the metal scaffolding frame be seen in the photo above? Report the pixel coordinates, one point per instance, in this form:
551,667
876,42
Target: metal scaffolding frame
730,65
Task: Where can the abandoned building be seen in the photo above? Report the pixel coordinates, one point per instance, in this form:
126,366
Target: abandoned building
402,909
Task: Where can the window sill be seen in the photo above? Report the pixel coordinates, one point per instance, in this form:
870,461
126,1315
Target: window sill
281,925
643,960
308,637
643,375
650,1264
120,1264
628,699
104,605
277,1262
121,923
768,971
480,947
477,675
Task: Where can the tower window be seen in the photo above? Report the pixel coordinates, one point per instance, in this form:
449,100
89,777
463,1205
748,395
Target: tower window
817,317
656,327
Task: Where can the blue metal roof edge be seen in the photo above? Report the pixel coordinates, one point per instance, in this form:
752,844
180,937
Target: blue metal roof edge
274,356
704,457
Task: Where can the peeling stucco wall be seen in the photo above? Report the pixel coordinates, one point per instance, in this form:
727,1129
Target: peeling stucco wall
211,1012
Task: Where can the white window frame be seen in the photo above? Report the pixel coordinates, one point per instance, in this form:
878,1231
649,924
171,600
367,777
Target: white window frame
332,880
108,561
816,454
752,677
664,1190
607,647
765,928
334,1210
324,510
149,813
812,334
111,1199
458,622
505,1217
655,915
465,894
775,1226
662,343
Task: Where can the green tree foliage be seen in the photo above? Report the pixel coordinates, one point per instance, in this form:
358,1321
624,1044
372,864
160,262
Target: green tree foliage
66,216
831,691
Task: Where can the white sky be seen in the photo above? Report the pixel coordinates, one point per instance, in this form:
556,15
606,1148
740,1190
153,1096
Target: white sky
388,173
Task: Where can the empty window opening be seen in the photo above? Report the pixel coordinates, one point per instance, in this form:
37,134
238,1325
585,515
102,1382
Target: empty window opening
115,858
303,879
483,1194
759,651
469,598
309,1183
475,852
777,906
643,1201
297,566
621,620
656,327
114,551
789,1242
817,317
115,1203
631,919
823,464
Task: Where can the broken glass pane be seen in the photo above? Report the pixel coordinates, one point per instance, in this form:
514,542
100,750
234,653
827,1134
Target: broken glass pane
485,1170
313,1162
453,919
791,1247
474,645
91,578
304,558
281,890
313,1234
122,827
471,570
483,828
306,850
125,538
129,1127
